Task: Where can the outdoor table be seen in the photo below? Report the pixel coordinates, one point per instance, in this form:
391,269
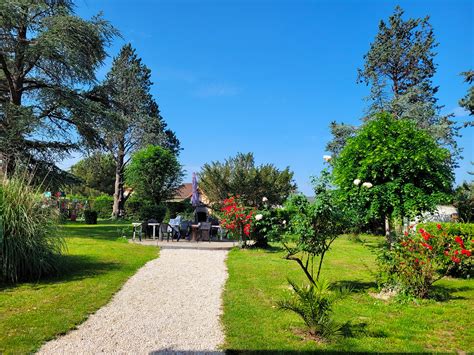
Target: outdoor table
154,229
135,229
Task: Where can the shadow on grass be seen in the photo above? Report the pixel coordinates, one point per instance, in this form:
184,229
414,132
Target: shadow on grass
71,268
444,294
96,231
355,286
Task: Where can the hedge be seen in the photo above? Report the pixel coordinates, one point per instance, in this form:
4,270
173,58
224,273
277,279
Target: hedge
454,229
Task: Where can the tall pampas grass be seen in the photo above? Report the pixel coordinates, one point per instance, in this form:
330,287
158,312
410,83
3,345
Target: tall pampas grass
29,241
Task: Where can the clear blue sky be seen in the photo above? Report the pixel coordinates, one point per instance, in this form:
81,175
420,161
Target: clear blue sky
269,76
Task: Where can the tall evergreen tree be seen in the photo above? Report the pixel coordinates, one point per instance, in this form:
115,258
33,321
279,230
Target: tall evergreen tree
399,68
468,101
133,117
48,59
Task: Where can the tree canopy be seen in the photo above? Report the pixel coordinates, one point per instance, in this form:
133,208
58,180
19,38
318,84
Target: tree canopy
240,176
154,173
97,174
407,171
48,59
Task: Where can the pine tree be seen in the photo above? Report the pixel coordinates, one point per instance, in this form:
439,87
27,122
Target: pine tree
133,117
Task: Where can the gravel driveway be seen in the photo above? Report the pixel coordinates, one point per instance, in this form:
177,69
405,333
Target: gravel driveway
171,305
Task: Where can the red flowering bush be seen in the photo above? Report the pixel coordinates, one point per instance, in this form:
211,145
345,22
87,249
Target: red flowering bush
237,218
421,258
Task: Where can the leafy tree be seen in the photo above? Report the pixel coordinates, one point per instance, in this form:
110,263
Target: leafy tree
48,59
394,168
154,173
134,119
313,226
97,173
238,176
464,201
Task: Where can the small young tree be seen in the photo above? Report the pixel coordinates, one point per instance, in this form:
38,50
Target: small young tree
313,227
154,173
395,169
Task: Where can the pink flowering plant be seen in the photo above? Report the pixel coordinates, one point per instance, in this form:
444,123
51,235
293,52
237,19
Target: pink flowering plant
420,259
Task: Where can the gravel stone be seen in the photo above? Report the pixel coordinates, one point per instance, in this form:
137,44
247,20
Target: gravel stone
171,305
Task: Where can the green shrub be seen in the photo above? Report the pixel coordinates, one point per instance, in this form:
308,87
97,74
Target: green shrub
90,217
103,204
29,244
453,229
421,258
139,210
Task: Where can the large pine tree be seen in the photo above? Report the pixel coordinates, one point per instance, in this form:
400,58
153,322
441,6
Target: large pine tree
399,68
133,117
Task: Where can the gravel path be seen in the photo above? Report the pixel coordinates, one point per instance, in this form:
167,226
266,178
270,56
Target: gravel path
171,305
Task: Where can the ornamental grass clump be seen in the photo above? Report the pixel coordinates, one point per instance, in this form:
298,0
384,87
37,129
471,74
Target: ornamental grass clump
29,243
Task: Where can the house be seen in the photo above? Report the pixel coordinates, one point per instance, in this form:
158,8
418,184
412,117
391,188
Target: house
185,193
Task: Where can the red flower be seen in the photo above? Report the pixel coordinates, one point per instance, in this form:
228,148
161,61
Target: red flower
438,226
406,234
446,252
459,241
455,259
466,252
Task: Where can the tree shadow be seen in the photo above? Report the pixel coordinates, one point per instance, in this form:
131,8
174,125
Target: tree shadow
359,330
356,286
70,268
441,293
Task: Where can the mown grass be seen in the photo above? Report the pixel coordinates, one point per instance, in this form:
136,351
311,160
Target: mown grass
95,266
258,278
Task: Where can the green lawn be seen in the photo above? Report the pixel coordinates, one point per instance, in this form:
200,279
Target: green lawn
95,266
257,279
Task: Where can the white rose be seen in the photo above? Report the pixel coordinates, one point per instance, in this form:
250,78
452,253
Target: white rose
284,222
258,217
367,185
327,158
356,182
264,199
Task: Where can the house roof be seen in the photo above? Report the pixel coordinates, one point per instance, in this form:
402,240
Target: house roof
184,192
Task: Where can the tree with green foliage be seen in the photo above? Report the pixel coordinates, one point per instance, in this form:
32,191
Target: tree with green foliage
239,176
393,168
134,119
97,174
464,201
399,68
468,101
155,174
48,59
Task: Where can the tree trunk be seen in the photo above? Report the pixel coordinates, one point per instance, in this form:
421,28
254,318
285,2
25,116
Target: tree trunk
388,230
118,210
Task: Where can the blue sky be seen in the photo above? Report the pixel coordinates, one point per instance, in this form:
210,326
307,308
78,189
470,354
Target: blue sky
269,76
